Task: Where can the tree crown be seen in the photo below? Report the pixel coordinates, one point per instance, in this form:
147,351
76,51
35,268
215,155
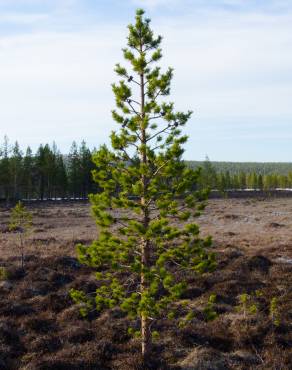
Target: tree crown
145,246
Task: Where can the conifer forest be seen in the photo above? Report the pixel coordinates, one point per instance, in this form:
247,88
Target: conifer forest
50,174
128,256
46,174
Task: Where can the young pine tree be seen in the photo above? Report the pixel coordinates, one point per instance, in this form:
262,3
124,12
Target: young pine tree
146,248
21,223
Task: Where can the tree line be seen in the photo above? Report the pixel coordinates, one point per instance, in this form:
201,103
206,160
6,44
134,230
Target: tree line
264,168
49,174
45,174
240,180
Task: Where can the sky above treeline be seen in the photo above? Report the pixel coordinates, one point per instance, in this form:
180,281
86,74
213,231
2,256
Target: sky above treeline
232,62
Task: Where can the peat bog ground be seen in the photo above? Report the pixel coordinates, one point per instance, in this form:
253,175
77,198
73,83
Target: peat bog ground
41,329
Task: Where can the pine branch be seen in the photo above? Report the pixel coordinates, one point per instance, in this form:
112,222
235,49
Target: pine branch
133,109
158,133
160,168
155,117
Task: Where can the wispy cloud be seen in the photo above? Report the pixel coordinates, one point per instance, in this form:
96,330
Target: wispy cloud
155,3
232,60
240,5
22,19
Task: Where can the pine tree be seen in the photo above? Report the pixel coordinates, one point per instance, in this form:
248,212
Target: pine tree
28,174
235,182
146,248
254,181
46,165
208,177
21,223
86,167
260,182
15,171
228,180
61,177
74,171
242,180
282,181
5,169
41,171
53,171
221,182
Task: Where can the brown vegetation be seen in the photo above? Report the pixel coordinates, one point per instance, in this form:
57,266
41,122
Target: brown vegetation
41,329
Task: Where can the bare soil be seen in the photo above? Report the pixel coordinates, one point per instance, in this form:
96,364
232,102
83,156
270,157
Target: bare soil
41,329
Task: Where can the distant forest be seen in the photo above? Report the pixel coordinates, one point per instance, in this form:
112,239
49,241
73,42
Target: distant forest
49,174
225,176
45,174
234,168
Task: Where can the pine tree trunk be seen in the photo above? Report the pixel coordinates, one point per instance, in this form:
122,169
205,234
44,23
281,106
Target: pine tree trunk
145,327
146,338
145,245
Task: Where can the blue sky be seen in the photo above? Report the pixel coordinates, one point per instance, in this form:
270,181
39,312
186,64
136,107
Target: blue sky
232,61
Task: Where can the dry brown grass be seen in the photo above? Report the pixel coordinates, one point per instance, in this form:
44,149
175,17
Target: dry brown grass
40,329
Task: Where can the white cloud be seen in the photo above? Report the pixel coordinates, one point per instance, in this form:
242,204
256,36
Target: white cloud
247,5
56,85
233,66
155,3
232,69
22,19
